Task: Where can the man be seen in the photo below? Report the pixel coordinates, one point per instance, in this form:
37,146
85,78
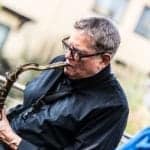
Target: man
81,107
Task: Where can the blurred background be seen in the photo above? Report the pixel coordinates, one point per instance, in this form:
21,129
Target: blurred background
31,31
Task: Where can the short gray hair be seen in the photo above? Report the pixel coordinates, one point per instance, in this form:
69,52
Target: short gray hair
105,34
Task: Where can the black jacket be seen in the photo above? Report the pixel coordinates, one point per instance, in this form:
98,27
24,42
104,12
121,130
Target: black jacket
86,114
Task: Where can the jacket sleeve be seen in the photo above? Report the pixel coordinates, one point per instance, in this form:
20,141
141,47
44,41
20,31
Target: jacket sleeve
25,145
103,132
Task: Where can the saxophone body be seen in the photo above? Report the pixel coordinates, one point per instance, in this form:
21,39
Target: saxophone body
11,77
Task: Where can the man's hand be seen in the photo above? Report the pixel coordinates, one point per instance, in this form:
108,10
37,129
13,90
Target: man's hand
7,135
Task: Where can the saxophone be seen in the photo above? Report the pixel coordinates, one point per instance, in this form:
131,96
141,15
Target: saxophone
11,77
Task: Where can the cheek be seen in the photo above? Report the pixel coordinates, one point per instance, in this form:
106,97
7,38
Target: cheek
83,68
90,68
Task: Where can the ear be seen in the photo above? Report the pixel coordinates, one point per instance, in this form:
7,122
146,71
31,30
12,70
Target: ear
106,58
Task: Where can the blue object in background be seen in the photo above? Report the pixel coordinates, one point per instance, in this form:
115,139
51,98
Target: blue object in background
141,141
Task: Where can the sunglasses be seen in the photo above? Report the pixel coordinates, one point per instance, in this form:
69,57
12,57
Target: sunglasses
77,54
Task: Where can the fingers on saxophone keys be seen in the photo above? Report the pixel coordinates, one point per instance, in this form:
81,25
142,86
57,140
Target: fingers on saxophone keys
2,88
1,105
2,137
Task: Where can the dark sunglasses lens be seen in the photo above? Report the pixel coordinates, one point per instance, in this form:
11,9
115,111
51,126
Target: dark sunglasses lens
77,56
73,52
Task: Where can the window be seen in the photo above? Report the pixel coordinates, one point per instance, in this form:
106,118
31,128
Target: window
4,30
112,8
143,26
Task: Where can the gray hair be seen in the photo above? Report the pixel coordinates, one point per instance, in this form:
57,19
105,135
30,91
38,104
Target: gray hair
104,33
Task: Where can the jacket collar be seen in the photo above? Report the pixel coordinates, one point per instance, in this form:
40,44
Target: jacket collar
99,78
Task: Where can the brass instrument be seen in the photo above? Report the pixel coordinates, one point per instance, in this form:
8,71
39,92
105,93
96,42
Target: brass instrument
11,77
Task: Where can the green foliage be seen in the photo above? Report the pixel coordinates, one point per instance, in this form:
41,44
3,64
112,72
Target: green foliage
133,83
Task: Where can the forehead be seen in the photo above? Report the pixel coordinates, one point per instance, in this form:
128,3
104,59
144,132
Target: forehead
81,38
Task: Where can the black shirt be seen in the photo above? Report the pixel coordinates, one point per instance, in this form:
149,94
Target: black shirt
85,114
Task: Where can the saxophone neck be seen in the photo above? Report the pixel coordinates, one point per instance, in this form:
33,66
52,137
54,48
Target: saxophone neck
34,66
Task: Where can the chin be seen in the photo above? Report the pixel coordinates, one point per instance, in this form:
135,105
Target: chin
68,69
69,73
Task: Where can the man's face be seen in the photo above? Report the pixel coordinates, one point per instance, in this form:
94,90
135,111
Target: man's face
86,66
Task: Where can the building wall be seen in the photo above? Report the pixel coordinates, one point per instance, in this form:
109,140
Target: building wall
54,20
135,49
